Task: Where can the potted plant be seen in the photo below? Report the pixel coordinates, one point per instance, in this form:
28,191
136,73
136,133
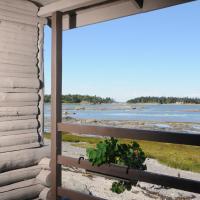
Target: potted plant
111,151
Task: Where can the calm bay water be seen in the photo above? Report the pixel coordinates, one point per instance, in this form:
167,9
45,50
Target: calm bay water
160,113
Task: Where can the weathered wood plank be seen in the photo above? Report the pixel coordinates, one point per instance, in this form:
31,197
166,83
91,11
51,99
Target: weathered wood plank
20,104
19,147
17,90
21,139
18,132
18,97
21,5
44,195
19,175
13,82
18,28
44,177
56,107
20,18
18,125
17,118
17,36
18,111
22,190
14,58
19,48
65,5
13,68
23,158
117,9
135,134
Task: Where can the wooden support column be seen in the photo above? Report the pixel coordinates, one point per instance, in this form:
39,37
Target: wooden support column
56,92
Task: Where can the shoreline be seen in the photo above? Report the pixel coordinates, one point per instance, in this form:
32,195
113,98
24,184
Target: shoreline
88,103
185,127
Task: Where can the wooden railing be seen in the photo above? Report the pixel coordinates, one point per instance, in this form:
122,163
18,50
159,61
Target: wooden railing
120,172
57,160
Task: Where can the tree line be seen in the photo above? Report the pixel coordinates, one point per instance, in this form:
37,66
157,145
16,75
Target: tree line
165,100
80,98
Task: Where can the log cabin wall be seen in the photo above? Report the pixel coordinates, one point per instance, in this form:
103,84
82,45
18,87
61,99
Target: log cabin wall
21,99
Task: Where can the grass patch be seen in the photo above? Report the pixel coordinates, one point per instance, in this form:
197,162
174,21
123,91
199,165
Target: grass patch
178,156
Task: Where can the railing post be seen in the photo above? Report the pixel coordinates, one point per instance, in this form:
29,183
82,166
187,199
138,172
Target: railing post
56,106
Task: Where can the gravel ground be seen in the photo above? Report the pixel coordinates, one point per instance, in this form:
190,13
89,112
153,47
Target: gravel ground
100,186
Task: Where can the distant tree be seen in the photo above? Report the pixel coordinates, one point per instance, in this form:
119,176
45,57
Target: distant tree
165,100
81,98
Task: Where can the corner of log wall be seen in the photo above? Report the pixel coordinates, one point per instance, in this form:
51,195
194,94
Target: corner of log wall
21,101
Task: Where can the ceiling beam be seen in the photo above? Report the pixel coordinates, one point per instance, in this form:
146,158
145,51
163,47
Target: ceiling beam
77,13
66,6
116,9
140,3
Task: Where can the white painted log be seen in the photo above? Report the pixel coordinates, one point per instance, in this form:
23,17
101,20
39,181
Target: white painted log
18,97
18,132
18,125
14,27
16,17
14,58
13,48
14,118
17,90
18,175
14,140
23,158
45,163
18,111
21,191
44,195
20,49
12,8
19,147
13,44
20,42
12,82
20,103
44,177
18,36
20,5
13,68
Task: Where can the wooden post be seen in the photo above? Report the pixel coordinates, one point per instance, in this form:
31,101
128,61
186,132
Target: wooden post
56,107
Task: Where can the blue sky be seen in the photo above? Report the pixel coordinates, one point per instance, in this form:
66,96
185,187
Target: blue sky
152,54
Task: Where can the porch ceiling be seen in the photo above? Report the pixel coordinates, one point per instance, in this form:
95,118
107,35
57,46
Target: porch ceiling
43,2
79,13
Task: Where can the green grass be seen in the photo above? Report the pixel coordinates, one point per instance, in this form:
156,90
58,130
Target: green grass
178,156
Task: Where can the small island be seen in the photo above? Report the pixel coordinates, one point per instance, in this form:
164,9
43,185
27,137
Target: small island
76,98
165,100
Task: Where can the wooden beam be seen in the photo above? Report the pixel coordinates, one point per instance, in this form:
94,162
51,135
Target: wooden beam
95,11
56,92
65,6
140,3
117,9
120,172
135,134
